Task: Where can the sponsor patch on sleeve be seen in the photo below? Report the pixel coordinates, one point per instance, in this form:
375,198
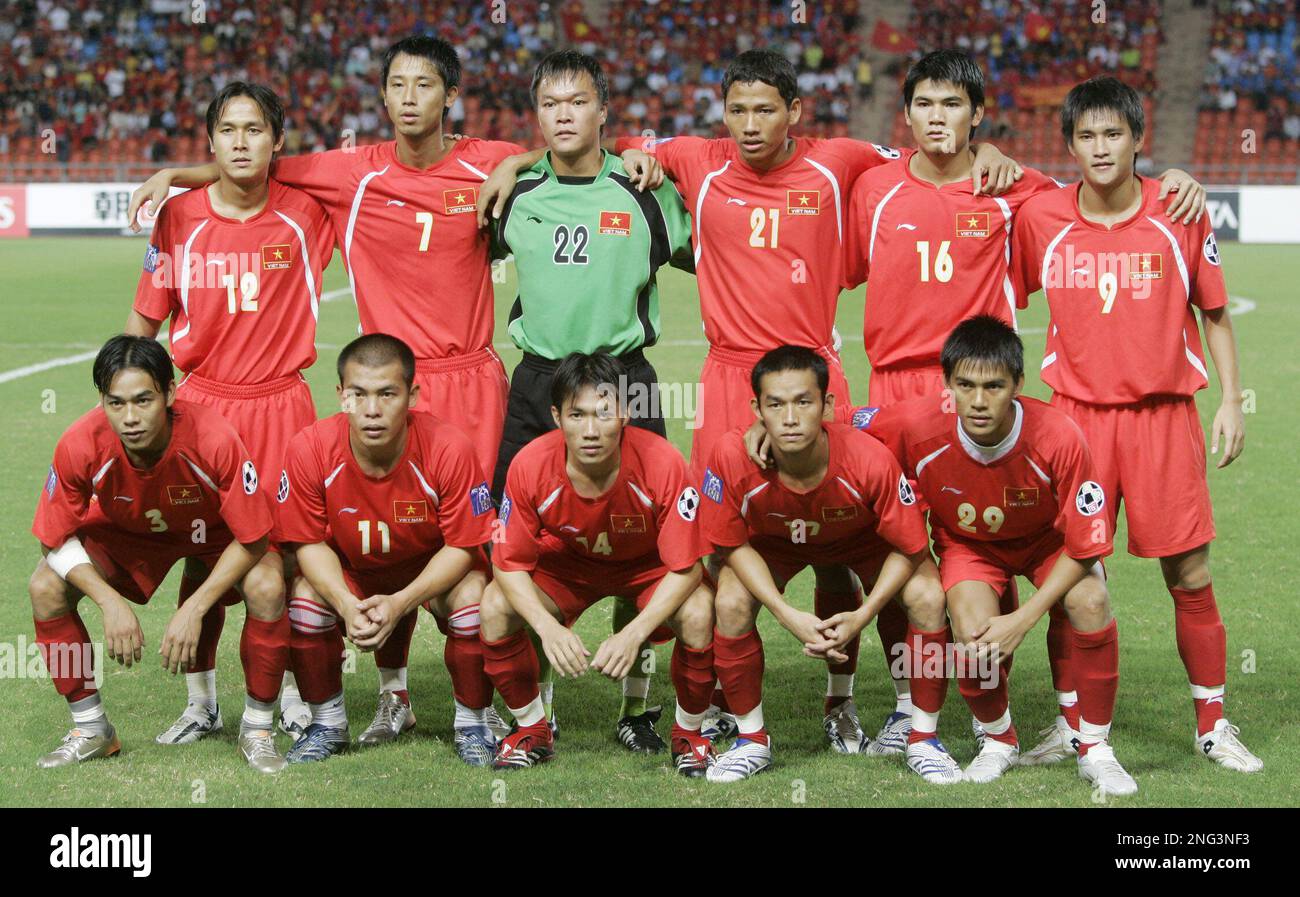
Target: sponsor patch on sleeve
151,258
480,499
51,482
504,514
712,485
862,417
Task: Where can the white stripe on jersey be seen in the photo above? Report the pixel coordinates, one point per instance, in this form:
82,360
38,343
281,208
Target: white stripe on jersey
549,500
94,481
1178,257
352,226
1007,289
306,266
930,457
699,208
835,188
845,484
645,499
428,490
1047,263
201,475
875,221
185,285
480,174
744,503
333,473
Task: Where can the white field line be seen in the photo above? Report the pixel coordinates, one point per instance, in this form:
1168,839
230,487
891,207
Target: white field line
1238,306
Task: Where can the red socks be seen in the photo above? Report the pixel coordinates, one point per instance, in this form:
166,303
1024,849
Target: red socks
891,626
315,650
1095,657
1203,646
739,665
463,654
1059,638
393,654
69,656
693,676
210,629
511,664
264,652
928,691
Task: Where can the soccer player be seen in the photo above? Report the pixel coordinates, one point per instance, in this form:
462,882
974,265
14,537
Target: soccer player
388,510
138,483
1124,359
1012,492
237,268
832,497
934,253
591,509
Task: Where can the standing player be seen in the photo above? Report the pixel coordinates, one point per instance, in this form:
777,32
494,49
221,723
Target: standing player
832,497
137,484
237,267
592,509
934,253
1010,487
388,511
1124,360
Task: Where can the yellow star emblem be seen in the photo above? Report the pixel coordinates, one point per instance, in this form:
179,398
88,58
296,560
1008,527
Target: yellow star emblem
279,253
972,222
460,197
803,199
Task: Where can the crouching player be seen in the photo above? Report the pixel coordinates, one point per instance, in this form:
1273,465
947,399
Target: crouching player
1011,490
832,497
593,509
137,484
387,510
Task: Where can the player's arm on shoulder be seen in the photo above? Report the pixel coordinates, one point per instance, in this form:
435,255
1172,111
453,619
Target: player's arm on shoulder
496,190
993,173
1188,202
153,193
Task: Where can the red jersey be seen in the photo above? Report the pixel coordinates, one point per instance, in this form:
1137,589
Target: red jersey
861,507
931,257
1040,478
435,495
767,243
417,262
1120,298
243,297
205,483
645,520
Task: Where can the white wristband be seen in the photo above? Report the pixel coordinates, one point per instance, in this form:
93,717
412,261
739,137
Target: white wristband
66,556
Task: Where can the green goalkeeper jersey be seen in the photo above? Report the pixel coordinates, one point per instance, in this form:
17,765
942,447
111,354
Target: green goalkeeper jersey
586,250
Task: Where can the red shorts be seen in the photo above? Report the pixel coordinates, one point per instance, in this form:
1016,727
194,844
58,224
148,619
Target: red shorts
888,386
1150,456
573,596
135,564
996,563
726,393
394,578
784,565
469,392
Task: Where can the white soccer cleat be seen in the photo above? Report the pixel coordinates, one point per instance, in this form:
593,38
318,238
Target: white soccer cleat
294,719
1059,742
194,723
1100,767
718,726
995,758
80,745
393,717
499,727
892,737
843,730
257,746
931,761
1222,745
744,759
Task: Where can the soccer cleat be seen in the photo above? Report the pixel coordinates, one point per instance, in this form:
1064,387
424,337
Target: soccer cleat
930,760
1222,745
318,743
258,748
476,745
295,719
843,729
638,732
744,759
194,723
692,753
1100,767
500,728
995,757
718,726
393,716
979,732
524,748
79,745
1059,742
892,737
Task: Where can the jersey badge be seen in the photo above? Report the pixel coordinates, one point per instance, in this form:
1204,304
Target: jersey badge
506,506
862,417
480,499
277,257
282,494
151,258
839,515
1020,496
618,224
410,511
712,485
51,481
249,477
459,201
1211,250
185,494
1145,266
972,224
887,152
688,503
1090,498
905,493
803,202
627,523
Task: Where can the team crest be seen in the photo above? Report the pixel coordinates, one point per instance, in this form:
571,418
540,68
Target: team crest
1090,498
410,511
1145,266
905,493
627,523
1019,496
803,202
1211,250
480,499
862,417
506,506
151,258
460,201
839,515
282,494
618,224
712,485
277,256
972,224
688,503
250,478
51,482
186,494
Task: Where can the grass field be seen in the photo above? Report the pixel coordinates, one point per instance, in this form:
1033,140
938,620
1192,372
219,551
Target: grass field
63,296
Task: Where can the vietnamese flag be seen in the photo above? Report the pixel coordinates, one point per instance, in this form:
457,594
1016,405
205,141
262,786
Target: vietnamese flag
888,38
1038,28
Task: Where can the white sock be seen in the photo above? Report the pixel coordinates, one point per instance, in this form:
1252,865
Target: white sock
1090,734
289,694
689,721
924,722
330,713
636,687
751,722
392,679
999,726
89,713
903,701
202,688
257,715
1067,698
530,715
468,716
546,692
839,685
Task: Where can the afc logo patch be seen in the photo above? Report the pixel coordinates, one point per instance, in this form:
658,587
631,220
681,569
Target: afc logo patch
459,202
480,499
803,202
688,503
862,417
250,478
972,224
905,493
277,257
712,486
151,258
504,514
282,494
1090,498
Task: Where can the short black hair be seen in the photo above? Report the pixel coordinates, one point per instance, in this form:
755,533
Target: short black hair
790,358
578,371
987,341
435,49
264,97
570,62
374,350
1102,94
950,67
139,352
768,66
